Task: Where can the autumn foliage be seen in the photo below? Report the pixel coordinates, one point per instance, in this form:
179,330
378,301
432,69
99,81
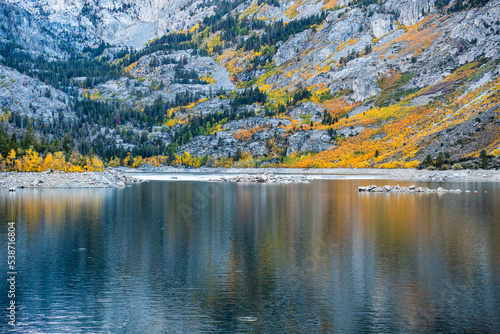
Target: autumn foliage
32,161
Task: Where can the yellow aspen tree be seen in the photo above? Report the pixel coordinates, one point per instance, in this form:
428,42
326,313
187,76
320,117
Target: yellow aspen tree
96,163
32,161
18,165
10,158
59,161
137,162
115,162
2,163
48,162
126,161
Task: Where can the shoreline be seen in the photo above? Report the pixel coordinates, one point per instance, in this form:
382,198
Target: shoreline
121,176
57,179
206,174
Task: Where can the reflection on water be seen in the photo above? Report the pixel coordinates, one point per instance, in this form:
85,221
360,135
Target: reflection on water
207,257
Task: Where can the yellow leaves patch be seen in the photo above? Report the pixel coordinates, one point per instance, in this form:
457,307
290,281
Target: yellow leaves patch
251,10
130,67
208,78
194,28
329,4
32,161
242,134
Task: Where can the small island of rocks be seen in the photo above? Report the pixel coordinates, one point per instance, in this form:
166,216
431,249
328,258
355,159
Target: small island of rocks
410,189
263,178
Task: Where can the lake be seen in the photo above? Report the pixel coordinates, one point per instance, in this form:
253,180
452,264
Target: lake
200,257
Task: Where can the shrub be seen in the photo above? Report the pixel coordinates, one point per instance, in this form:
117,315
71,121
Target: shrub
431,168
444,167
412,164
457,166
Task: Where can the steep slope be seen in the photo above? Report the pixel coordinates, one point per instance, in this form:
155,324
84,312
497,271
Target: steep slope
31,98
117,22
20,27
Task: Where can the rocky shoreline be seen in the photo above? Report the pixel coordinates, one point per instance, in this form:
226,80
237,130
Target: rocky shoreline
318,173
410,189
120,177
58,179
263,178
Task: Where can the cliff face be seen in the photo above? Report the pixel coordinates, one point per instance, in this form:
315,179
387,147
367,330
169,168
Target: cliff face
410,12
363,84
119,22
17,24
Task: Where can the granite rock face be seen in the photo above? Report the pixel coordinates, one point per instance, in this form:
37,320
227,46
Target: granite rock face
224,143
365,87
29,32
120,22
456,40
293,47
254,122
410,11
382,24
309,141
307,110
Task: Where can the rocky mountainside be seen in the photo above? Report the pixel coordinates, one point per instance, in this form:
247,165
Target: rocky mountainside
333,83
117,22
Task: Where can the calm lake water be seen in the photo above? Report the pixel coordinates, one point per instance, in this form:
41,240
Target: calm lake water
189,257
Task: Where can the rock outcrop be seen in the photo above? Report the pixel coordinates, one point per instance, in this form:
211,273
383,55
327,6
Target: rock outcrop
410,11
309,141
365,87
263,178
382,24
306,111
224,143
293,47
254,122
410,189
351,131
